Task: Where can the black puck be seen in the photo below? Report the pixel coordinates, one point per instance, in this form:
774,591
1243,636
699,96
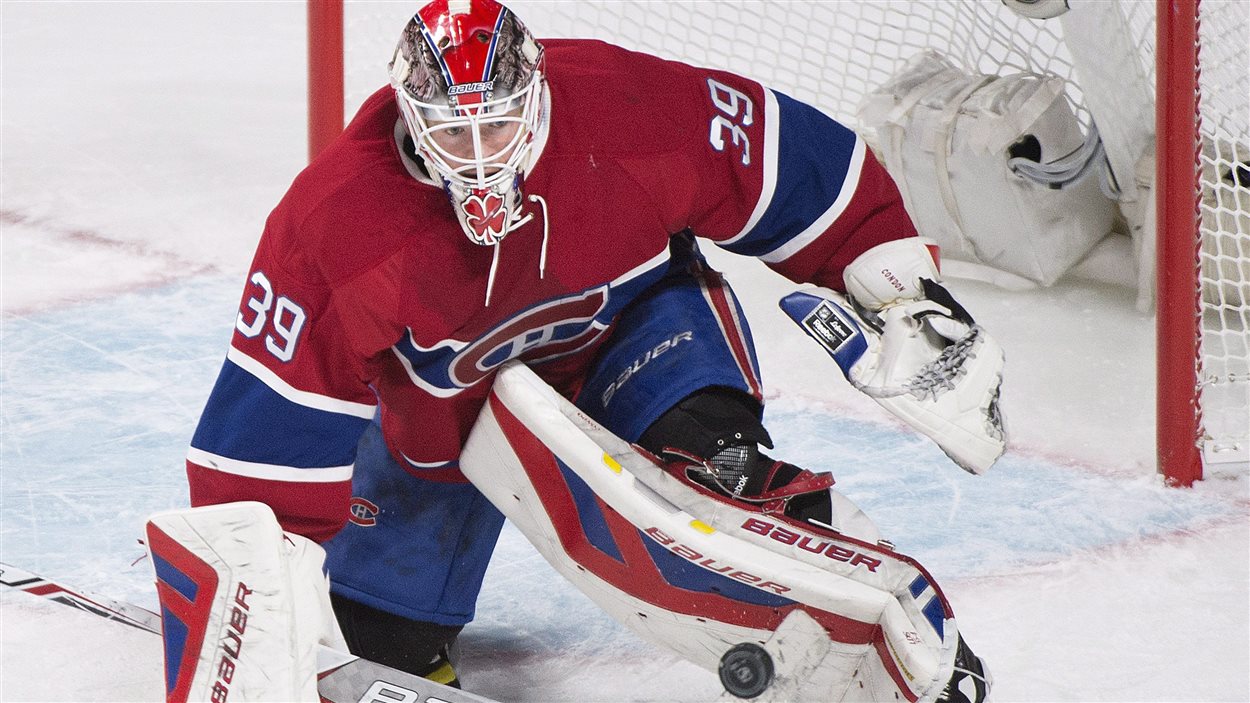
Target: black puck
746,670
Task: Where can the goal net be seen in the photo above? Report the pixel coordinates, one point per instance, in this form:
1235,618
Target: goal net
1107,53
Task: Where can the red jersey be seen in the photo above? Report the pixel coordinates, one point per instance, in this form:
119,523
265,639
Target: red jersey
366,296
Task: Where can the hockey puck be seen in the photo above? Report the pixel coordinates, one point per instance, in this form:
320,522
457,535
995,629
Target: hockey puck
746,670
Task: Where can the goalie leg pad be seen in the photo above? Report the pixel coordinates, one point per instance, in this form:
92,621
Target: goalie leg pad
699,573
243,605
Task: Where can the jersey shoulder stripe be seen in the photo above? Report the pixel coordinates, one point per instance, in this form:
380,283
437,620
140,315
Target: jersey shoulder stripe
307,399
808,184
829,216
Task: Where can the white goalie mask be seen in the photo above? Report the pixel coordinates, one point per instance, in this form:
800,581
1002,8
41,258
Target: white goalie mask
469,83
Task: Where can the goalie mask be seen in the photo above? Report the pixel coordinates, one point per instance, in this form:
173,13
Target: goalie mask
468,78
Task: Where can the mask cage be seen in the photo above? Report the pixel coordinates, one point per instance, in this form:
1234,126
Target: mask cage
481,170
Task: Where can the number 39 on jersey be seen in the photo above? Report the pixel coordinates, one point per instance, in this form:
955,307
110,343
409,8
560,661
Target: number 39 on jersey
283,319
737,112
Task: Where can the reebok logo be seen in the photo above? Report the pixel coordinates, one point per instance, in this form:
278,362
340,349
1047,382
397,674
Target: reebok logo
827,327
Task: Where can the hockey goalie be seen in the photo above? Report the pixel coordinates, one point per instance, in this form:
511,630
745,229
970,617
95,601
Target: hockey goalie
504,242
690,534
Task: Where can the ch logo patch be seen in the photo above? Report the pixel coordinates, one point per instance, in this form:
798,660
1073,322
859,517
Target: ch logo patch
363,512
486,215
546,330
553,328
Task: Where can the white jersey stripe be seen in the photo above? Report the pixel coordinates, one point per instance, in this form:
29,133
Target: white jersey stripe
270,472
772,119
807,236
429,464
315,401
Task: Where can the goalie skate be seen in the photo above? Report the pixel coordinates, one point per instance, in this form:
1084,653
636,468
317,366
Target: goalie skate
782,610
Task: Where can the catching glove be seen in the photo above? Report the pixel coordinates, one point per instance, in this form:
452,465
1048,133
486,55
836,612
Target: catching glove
903,340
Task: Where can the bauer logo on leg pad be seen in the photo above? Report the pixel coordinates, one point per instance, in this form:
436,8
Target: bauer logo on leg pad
690,570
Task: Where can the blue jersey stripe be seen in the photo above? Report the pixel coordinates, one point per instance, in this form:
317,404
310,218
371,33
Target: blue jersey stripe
809,178
247,421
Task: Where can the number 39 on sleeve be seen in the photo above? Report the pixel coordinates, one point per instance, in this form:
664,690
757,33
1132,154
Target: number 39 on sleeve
738,112
285,318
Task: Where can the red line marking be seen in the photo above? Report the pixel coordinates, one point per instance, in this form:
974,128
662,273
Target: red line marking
179,268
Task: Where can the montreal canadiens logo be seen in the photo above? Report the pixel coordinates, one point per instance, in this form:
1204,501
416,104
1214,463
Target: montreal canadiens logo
545,331
363,512
485,214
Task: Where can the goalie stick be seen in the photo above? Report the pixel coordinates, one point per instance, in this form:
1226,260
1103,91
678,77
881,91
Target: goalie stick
341,677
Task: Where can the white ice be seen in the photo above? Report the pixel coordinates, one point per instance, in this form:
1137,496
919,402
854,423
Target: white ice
143,144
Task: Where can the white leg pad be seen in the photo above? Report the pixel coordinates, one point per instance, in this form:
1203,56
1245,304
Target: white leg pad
243,605
839,617
851,520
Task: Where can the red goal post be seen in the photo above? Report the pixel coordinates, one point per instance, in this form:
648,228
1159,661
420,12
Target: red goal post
325,73
1178,298
1175,68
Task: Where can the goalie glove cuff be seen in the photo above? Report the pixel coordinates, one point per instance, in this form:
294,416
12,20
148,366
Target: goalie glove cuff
892,272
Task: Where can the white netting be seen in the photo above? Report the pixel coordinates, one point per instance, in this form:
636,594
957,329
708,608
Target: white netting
833,53
786,45
1224,106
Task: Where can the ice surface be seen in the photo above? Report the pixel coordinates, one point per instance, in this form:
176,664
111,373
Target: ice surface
143,146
